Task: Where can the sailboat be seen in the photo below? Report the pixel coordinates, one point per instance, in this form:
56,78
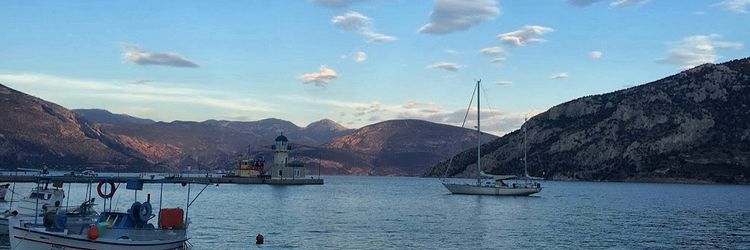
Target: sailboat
485,184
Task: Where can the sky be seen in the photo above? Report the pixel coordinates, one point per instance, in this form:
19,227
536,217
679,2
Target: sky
356,62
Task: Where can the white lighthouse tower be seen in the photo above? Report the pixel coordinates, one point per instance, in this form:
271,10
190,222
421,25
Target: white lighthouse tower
281,167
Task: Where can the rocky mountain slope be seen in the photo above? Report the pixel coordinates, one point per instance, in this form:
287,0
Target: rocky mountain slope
35,133
690,127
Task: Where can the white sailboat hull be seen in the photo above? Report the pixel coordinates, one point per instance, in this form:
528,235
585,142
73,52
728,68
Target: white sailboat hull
22,238
491,190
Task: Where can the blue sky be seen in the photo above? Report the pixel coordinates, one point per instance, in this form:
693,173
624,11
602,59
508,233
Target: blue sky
356,62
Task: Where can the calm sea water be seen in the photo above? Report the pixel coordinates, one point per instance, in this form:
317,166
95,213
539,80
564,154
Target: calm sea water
403,213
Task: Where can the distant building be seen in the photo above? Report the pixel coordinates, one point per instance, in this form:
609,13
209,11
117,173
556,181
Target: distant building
281,167
249,167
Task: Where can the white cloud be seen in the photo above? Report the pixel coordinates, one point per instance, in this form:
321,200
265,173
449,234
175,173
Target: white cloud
454,15
351,21
528,34
559,76
449,66
696,50
356,22
139,56
335,4
321,78
626,3
595,54
498,60
737,6
360,57
504,82
492,51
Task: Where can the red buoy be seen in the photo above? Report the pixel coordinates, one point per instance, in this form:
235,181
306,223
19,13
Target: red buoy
259,239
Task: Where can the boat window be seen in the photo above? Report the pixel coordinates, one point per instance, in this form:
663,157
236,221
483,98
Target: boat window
36,196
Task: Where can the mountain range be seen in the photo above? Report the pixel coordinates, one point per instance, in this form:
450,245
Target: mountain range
40,133
690,127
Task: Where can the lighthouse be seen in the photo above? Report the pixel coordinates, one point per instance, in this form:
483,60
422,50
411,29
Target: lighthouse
282,168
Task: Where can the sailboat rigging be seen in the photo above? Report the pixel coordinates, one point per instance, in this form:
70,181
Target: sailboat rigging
498,187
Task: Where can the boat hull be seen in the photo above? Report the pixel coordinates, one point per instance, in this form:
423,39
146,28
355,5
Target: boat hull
490,190
25,238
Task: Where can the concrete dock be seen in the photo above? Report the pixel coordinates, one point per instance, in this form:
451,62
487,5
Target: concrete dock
169,179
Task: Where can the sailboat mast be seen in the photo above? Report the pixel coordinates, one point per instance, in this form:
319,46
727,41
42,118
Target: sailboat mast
479,140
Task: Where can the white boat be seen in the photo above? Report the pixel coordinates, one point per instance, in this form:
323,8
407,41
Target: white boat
493,184
44,200
111,231
32,205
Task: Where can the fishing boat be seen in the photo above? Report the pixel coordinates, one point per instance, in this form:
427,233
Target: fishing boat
488,184
40,198
112,230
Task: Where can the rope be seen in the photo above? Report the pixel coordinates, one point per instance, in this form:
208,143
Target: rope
463,124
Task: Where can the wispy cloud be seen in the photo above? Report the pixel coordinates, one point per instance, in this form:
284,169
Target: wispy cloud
497,60
141,81
504,82
453,52
495,122
373,107
613,4
138,94
321,78
528,34
626,3
334,4
449,66
140,56
696,50
595,54
454,15
559,76
736,6
421,106
582,3
356,22
492,51
360,57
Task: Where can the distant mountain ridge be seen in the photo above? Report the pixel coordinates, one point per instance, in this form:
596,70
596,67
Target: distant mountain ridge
402,147
104,116
690,127
405,147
